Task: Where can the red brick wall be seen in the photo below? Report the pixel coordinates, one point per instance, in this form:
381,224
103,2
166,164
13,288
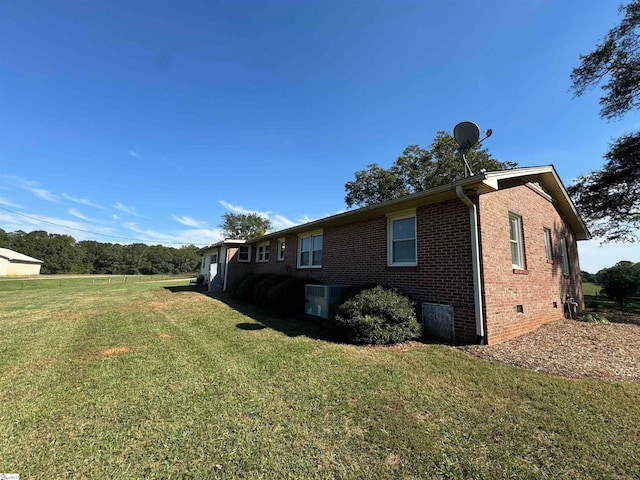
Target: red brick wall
357,254
541,283
236,268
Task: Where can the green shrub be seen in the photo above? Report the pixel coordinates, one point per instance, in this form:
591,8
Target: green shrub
235,285
593,318
287,297
247,288
261,289
377,316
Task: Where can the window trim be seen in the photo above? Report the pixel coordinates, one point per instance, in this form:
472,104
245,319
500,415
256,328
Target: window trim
390,241
248,247
262,252
282,245
519,242
310,236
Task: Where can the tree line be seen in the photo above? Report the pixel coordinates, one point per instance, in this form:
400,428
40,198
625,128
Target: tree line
62,254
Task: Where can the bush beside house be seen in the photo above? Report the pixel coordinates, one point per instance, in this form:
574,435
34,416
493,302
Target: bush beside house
377,316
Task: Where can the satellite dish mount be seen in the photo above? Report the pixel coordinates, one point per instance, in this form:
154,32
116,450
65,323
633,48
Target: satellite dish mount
467,136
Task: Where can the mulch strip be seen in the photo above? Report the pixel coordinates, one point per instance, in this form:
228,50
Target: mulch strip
573,349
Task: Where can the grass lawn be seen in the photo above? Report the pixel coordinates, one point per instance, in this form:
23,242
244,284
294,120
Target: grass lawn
133,380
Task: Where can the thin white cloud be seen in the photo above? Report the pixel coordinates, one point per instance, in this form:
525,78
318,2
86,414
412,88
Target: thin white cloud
278,222
62,226
199,236
20,182
133,154
125,209
7,203
242,210
29,185
188,221
43,194
81,216
82,201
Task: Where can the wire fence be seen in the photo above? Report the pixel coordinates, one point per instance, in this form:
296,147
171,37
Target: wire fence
61,281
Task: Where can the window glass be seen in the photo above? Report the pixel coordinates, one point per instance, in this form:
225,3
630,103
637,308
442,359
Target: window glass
547,243
310,253
403,241
305,244
403,229
317,242
281,245
565,256
515,237
404,251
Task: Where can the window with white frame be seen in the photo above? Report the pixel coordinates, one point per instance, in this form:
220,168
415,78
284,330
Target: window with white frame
547,243
516,240
244,253
214,259
262,252
565,256
402,244
281,245
310,250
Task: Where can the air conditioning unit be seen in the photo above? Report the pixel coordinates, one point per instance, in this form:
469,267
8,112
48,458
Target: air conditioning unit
320,298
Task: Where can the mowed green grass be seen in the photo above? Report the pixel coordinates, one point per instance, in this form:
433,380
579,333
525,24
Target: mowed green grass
138,381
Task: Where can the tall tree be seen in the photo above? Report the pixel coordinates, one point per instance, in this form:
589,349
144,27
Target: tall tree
609,199
620,282
244,226
417,169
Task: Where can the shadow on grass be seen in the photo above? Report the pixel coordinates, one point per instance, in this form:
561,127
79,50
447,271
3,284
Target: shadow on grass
300,325
311,327
182,288
250,326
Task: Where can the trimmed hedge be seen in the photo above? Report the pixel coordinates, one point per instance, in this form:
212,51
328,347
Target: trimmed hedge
261,289
377,316
287,297
234,287
282,294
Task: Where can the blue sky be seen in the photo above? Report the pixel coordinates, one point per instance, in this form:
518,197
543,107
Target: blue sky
148,120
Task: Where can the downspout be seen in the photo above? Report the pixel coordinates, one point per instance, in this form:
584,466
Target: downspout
226,267
475,260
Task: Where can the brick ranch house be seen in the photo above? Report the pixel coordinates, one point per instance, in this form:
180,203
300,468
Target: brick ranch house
498,248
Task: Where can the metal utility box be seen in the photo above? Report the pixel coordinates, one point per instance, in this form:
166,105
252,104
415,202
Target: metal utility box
320,298
437,320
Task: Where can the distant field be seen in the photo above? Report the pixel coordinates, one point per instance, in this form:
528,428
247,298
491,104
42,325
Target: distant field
600,302
57,281
153,380
589,288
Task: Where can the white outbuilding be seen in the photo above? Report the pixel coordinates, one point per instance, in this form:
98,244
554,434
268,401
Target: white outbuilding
16,264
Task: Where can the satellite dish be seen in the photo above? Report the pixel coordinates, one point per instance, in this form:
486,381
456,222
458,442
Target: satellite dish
466,134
